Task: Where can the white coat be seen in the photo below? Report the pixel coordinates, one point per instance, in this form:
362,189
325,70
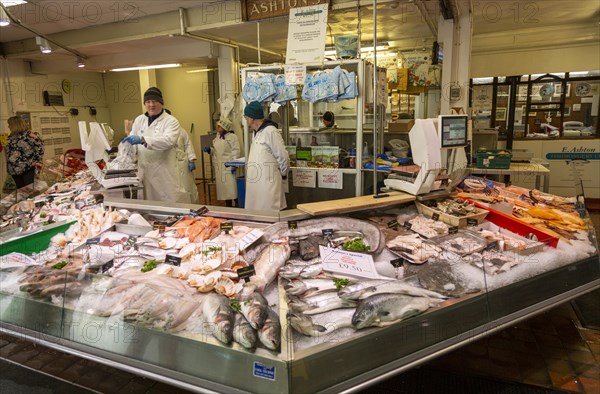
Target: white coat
185,154
157,159
224,150
267,164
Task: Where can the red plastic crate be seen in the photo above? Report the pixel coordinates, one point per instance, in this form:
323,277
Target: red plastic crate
517,226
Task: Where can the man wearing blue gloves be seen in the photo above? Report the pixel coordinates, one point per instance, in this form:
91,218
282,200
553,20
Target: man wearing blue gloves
225,147
156,134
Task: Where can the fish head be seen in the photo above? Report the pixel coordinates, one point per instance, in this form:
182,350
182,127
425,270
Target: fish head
270,335
223,327
365,315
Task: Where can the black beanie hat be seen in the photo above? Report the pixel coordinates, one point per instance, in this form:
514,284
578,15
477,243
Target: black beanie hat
155,94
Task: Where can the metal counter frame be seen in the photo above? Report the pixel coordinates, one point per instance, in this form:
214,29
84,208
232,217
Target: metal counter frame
329,367
519,169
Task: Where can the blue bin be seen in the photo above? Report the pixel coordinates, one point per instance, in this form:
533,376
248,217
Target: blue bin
241,186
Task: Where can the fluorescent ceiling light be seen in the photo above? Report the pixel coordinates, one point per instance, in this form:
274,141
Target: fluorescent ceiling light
201,70
4,19
364,49
170,65
43,44
10,3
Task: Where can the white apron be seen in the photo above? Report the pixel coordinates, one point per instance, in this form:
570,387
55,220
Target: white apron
185,153
264,182
157,163
225,150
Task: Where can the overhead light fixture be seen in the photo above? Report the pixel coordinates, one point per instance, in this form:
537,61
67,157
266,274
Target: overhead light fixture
363,49
10,3
43,44
201,70
170,65
80,62
4,19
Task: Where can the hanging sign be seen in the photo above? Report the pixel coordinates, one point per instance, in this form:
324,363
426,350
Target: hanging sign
304,178
294,75
331,179
306,34
254,10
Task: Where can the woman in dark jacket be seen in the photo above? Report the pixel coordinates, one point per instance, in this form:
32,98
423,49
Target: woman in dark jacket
23,151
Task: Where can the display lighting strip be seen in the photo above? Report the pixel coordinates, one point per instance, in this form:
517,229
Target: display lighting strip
364,49
201,70
170,65
43,44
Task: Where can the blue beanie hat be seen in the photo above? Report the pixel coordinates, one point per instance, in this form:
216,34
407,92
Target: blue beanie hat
254,110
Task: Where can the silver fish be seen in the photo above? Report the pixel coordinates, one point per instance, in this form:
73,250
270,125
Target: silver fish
219,316
292,271
319,303
243,333
368,288
321,324
382,308
269,262
371,233
254,307
270,333
309,286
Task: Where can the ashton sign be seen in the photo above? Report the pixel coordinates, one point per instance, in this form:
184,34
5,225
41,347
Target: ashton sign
253,10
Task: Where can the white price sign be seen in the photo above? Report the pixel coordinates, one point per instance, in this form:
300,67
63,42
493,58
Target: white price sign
348,263
250,238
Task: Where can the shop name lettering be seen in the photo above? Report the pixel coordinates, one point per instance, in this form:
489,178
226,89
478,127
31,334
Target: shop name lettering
577,150
268,7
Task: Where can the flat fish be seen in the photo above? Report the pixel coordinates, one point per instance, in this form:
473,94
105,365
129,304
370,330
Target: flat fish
380,309
309,247
440,276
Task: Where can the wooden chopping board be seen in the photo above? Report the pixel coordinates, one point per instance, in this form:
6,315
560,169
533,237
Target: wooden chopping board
355,203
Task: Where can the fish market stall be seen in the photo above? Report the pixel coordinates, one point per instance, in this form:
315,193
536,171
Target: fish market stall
287,302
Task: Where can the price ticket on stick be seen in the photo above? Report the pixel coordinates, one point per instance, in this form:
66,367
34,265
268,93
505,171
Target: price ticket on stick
348,263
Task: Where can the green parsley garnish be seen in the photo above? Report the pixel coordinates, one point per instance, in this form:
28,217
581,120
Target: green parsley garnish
60,265
43,215
356,245
149,265
235,305
339,283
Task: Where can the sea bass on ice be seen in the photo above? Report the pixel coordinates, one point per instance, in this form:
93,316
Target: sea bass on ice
384,308
243,333
219,316
254,307
269,262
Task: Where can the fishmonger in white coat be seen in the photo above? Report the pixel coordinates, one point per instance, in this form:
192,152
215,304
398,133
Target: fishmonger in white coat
186,159
268,163
225,147
156,134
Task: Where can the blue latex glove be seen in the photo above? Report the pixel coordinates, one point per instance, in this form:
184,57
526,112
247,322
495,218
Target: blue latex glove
133,139
233,169
191,166
206,149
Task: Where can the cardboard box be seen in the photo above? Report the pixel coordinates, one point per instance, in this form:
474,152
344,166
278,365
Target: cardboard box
401,126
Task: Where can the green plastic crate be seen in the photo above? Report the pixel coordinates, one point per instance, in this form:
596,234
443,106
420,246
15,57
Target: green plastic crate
493,158
36,241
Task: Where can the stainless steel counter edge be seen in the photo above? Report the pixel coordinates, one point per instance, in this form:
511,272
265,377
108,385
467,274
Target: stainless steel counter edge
213,210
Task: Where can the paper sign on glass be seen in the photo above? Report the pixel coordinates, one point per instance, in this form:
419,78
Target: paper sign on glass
348,263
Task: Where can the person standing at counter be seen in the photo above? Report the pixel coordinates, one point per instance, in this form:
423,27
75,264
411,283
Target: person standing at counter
225,147
156,134
328,120
186,159
24,151
267,164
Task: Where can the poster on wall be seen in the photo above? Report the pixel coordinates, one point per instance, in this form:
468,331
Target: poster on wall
421,72
306,34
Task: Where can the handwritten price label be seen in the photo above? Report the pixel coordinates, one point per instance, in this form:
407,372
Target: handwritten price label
348,263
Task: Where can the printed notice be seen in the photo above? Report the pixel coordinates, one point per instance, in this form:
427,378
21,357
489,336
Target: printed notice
304,178
294,75
331,179
250,238
306,34
348,263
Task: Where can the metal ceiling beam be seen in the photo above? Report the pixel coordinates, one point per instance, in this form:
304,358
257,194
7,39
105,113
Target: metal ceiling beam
425,15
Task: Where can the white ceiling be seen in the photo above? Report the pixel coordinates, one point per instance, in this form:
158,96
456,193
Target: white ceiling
112,33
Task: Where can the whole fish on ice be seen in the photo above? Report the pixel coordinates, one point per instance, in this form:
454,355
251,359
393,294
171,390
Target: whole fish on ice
380,309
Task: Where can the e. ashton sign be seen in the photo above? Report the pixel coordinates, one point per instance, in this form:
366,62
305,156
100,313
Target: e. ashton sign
253,10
